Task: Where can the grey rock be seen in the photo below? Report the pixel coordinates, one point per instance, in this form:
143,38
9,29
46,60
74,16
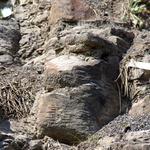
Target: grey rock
39,19
137,86
9,40
120,43
6,59
134,141
77,41
35,145
21,140
80,99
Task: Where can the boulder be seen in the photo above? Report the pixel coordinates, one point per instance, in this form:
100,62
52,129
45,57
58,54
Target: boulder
81,98
35,145
78,42
7,59
141,107
83,40
9,40
70,11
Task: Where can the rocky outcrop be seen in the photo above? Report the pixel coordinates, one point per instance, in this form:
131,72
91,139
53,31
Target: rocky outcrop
68,85
9,40
81,95
79,89
70,11
81,39
115,135
78,104
135,78
134,140
141,107
14,136
34,27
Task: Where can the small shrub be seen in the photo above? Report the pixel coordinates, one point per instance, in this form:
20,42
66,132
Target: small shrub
133,11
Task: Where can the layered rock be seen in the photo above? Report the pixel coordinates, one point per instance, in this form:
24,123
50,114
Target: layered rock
134,140
34,28
81,99
79,88
70,11
9,40
81,61
136,78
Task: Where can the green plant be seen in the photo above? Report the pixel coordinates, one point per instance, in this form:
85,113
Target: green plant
125,124
89,136
132,11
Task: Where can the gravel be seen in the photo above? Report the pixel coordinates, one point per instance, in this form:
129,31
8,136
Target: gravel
121,124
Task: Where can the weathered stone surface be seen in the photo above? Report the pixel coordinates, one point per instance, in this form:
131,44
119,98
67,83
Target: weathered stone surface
81,99
104,143
81,93
87,43
120,43
68,63
137,140
49,143
141,107
70,11
9,40
75,84
115,132
79,42
71,71
136,80
118,33
41,18
35,145
6,59
34,29
134,141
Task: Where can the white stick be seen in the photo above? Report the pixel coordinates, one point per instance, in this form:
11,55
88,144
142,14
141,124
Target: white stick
140,65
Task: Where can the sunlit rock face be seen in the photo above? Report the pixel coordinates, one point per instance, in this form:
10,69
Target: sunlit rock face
79,100
81,95
70,11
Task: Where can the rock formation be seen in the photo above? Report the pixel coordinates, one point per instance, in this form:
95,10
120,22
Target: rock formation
9,39
67,72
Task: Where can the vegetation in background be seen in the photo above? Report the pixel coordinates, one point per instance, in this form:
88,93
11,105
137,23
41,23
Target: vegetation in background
134,11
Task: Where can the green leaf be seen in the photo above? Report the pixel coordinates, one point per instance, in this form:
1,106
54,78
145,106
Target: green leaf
142,6
135,9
